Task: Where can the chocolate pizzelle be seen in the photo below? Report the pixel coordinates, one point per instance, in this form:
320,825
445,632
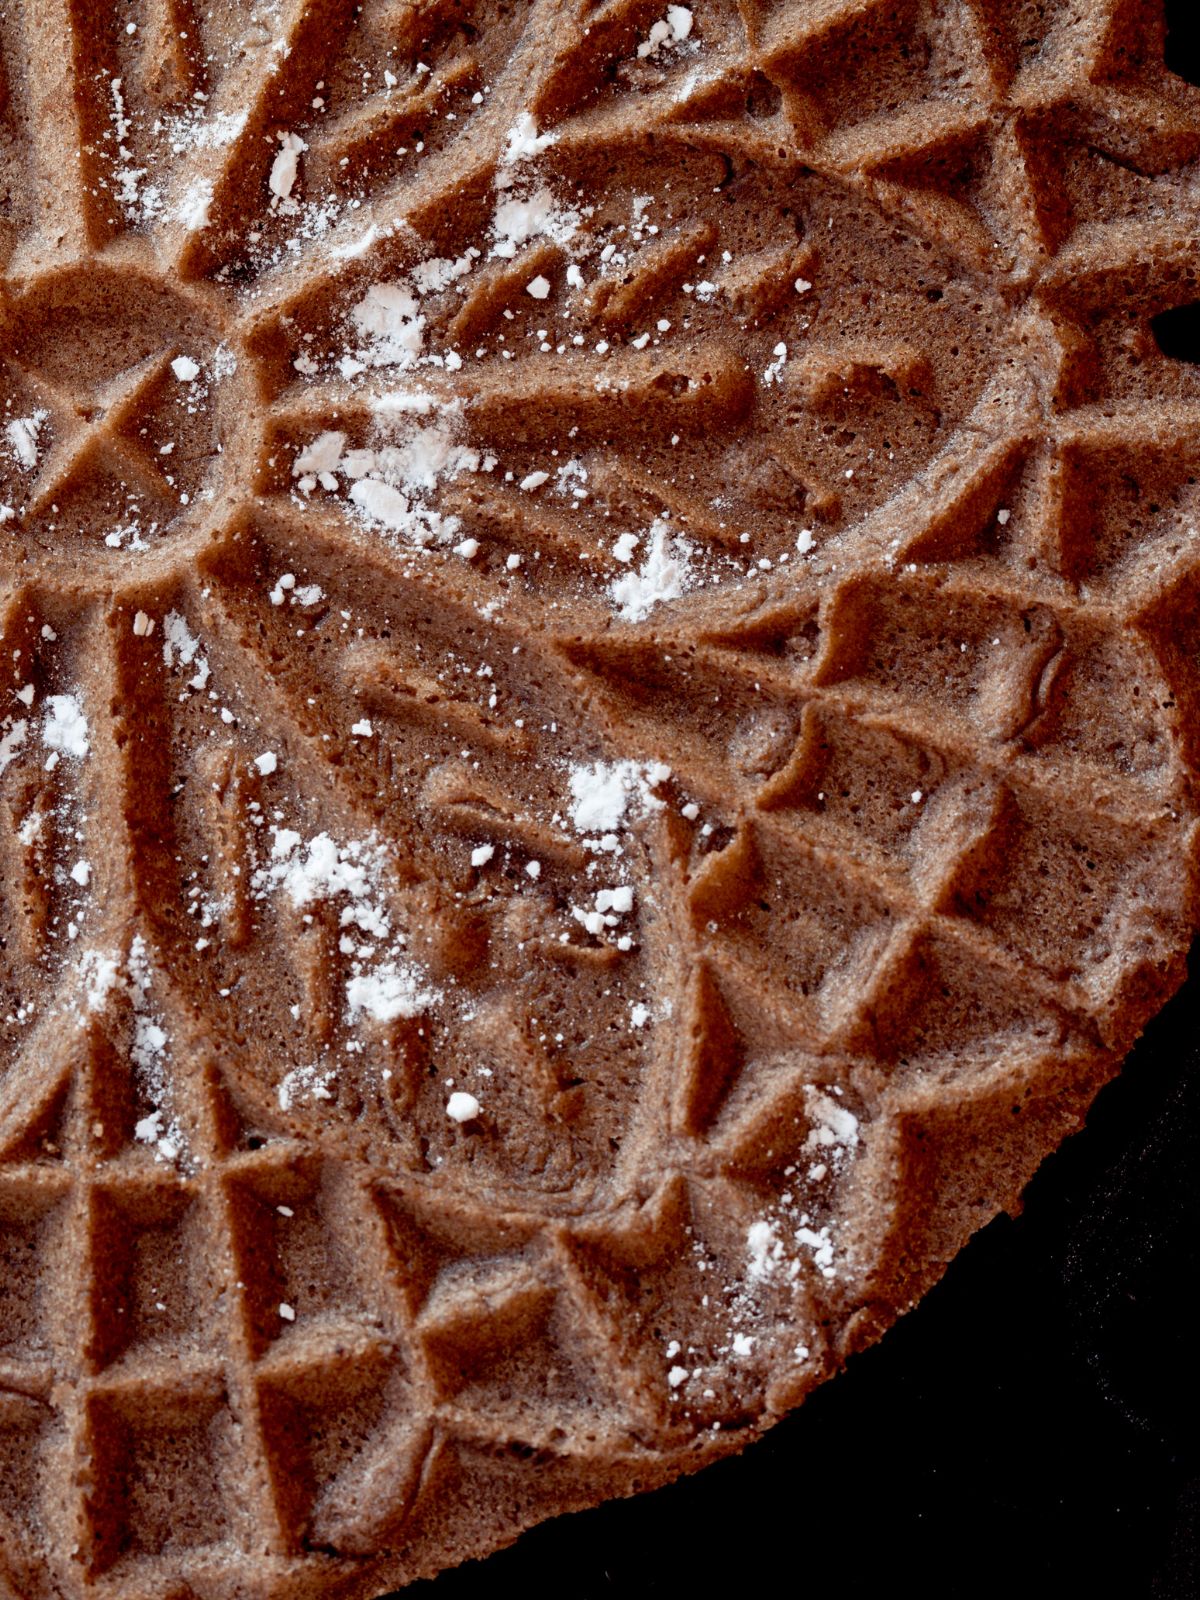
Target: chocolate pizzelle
599,615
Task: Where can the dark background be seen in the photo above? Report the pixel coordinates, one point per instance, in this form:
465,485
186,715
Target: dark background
1030,1429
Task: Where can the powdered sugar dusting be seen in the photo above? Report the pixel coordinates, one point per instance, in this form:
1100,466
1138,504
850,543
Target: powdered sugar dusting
392,482
22,436
384,983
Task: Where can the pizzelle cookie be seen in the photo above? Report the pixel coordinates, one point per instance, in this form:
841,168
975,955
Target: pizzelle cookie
596,757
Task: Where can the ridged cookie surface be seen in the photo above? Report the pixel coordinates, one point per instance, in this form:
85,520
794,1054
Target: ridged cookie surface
598,705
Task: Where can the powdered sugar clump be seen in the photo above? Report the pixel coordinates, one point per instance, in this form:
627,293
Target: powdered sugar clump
765,1248
391,991
833,1125
193,209
22,435
391,482
321,869
65,728
603,792
140,201
773,372
286,165
439,272
196,129
389,319
833,1137
462,1107
101,974
526,211
304,1082
777,1243
11,741
536,215
321,459
523,141
672,29
181,649
774,1245
664,575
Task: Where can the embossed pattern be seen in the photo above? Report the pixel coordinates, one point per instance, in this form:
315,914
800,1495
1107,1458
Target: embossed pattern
599,645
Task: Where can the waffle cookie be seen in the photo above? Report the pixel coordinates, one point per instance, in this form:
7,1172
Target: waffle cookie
599,611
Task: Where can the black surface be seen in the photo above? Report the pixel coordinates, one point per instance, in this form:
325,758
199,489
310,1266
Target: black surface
1177,332
1030,1429
1183,39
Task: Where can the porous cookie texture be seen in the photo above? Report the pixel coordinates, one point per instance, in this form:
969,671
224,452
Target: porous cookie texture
599,707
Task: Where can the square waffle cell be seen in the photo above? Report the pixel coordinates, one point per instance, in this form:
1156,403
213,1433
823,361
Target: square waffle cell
34,1244
160,1460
